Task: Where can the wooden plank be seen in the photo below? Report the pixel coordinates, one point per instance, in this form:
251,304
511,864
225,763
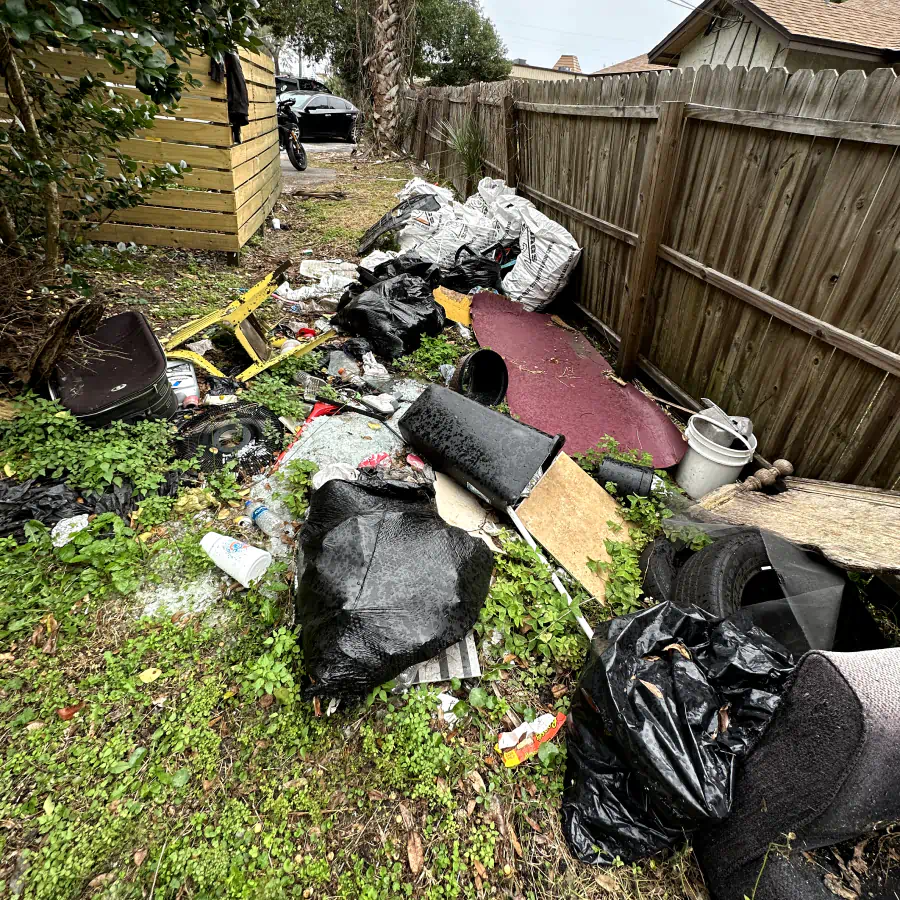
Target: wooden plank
602,112
849,343
629,237
510,145
857,528
869,133
176,198
249,228
240,153
656,192
165,237
189,219
203,179
181,130
258,127
569,514
247,170
163,152
260,182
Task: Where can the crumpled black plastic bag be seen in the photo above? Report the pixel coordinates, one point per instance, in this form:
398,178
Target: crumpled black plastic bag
668,703
472,271
52,501
405,264
382,583
392,315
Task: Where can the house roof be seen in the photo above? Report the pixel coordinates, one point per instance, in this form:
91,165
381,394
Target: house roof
866,28
635,64
568,62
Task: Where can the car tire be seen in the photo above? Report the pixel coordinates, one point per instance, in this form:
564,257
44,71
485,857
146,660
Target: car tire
658,570
715,578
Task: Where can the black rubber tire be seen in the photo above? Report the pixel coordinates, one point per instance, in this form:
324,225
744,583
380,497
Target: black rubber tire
715,577
297,156
658,570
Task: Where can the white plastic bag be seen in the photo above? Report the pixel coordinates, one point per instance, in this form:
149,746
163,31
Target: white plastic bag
508,211
469,227
423,225
489,191
549,254
416,186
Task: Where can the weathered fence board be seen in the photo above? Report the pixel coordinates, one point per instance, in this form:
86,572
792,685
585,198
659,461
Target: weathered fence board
774,287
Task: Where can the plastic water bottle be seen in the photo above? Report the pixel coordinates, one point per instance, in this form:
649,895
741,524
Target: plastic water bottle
264,519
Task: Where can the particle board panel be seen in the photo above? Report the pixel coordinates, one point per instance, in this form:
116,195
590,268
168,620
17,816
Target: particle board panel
569,515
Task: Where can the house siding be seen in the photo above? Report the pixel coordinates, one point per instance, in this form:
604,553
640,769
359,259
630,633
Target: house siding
741,44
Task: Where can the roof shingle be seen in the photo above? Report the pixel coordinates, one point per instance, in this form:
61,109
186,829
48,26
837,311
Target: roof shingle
635,64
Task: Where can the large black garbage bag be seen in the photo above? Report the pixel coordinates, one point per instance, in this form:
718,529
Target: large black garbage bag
472,271
405,264
668,703
395,219
392,315
382,583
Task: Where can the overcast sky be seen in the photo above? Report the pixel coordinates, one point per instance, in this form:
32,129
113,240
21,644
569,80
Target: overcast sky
599,32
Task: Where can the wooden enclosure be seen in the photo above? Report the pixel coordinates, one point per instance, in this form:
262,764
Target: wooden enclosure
741,234
230,189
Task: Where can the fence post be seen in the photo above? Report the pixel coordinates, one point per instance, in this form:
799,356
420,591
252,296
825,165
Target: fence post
655,193
421,128
512,146
442,131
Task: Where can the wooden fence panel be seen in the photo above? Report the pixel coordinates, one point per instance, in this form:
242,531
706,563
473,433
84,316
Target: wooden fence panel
230,188
776,287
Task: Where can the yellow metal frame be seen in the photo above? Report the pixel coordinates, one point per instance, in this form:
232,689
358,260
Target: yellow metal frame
233,315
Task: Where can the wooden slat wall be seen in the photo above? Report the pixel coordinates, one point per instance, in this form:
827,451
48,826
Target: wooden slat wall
805,213
230,189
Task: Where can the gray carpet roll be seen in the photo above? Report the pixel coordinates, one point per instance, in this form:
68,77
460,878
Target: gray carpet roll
827,770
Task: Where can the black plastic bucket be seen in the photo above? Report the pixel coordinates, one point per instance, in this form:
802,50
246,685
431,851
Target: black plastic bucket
481,376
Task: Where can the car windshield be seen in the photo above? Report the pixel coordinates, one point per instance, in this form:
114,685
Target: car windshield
299,100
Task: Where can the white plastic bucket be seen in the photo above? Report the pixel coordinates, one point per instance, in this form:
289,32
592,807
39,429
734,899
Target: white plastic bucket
708,465
245,564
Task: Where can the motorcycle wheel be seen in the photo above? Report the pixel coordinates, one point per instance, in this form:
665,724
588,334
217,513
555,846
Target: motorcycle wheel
296,152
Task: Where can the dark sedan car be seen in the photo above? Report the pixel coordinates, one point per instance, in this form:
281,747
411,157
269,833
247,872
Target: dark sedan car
323,115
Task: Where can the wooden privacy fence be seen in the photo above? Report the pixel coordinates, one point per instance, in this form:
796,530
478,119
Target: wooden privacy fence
230,189
741,234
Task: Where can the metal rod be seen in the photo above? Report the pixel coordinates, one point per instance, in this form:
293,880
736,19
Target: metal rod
585,626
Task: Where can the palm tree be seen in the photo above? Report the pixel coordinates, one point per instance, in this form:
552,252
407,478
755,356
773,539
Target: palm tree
386,67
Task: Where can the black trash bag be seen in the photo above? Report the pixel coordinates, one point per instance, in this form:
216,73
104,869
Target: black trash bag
472,271
395,219
393,315
356,347
382,583
669,701
50,502
406,264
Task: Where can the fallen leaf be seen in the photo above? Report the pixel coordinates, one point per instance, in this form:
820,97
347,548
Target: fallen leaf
266,700
608,883
653,689
409,821
7,657
149,675
139,857
375,795
838,888
69,712
477,781
480,869
478,882
558,690
858,863
680,648
100,880
34,726
514,840
415,853
533,824
723,719
49,806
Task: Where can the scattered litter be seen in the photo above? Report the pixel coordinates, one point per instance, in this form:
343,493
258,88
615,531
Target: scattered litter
376,258
557,383
334,470
374,426
447,702
416,462
245,564
317,269
265,520
372,368
549,255
418,186
459,507
523,742
220,399
149,675
201,348
380,461
716,453
183,379
459,660
396,218
383,403
668,704
482,376
276,224
368,609
447,371
342,366
317,298
310,385
463,332
392,315
629,478
64,530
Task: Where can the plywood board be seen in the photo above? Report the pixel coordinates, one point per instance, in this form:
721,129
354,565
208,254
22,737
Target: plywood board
568,514
855,527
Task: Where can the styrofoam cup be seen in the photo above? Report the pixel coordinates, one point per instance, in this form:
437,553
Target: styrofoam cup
245,564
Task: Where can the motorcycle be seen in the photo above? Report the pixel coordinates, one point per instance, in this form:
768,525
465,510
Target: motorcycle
289,134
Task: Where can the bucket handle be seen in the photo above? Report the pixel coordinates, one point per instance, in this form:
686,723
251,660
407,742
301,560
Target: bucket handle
724,427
